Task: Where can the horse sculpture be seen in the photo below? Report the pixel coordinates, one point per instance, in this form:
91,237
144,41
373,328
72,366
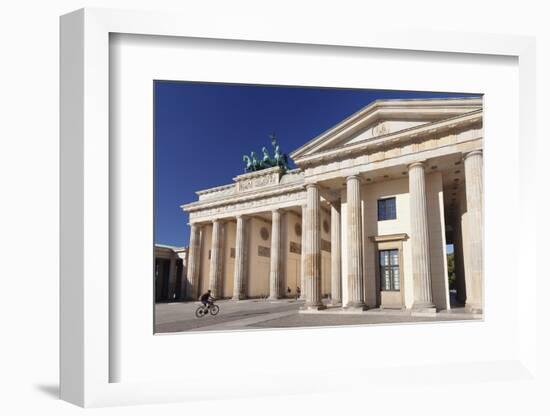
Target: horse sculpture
279,159
266,161
248,167
255,164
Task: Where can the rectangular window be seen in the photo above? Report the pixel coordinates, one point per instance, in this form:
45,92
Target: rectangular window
389,269
295,248
264,251
386,209
325,245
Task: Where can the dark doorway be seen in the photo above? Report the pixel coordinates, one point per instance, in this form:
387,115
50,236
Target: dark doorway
179,280
162,274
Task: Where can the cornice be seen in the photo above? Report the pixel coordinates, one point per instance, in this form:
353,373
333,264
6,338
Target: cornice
255,174
381,142
392,108
215,189
244,196
388,237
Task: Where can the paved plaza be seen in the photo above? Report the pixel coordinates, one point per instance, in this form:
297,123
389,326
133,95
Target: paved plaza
284,313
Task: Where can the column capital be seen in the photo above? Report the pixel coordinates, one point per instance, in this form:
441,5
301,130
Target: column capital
277,210
354,176
312,185
472,153
420,163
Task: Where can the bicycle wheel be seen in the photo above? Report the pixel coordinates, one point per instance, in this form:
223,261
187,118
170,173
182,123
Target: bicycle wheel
199,313
214,309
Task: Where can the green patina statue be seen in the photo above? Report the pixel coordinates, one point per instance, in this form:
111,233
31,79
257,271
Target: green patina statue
266,161
248,167
255,161
252,163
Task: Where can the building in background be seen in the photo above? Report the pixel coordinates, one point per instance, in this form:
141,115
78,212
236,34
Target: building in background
170,273
363,221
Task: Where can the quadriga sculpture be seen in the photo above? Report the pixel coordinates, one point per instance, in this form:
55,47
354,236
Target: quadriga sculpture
252,163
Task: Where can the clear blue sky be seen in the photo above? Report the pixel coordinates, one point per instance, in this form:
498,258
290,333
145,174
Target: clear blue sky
203,129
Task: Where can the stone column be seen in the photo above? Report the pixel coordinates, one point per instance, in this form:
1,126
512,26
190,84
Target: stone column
303,257
336,254
215,258
193,263
459,257
420,242
275,271
473,169
313,249
356,291
183,276
172,279
241,255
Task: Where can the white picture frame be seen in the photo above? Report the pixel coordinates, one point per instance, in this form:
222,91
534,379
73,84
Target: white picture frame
86,304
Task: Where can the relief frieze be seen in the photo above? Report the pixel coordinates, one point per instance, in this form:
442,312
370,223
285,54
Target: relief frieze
240,206
258,182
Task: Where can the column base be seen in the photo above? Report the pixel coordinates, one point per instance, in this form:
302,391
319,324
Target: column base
237,298
356,306
423,309
335,303
473,308
313,307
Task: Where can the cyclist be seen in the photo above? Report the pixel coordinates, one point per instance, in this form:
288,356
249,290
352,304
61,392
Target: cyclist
207,299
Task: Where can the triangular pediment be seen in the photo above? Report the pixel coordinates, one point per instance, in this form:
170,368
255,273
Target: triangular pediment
386,117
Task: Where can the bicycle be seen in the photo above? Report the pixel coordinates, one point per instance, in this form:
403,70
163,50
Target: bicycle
205,309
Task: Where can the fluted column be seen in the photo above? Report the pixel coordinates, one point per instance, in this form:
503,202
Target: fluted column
420,242
275,273
215,258
313,249
193,262
473,170
459,259
239,283
336,254
183,276
356,292
464,239
303,256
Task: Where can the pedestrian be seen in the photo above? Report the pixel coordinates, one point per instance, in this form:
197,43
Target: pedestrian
288,291
298,292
